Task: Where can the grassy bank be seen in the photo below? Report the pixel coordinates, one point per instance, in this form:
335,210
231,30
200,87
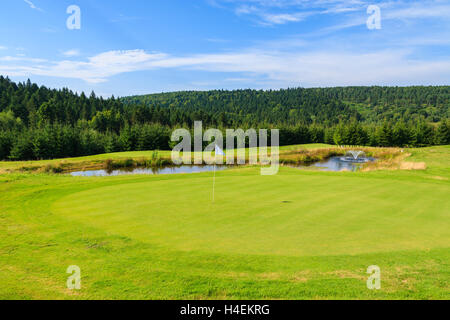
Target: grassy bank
289,155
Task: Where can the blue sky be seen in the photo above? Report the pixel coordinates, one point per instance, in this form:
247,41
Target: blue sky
146,46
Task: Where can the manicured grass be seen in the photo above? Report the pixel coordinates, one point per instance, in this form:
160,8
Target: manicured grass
297,235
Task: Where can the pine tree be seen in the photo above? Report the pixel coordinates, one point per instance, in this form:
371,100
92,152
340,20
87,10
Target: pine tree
339,135
402,134
384,135
443,133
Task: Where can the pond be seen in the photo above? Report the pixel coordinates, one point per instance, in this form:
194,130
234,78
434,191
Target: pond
342,164
332,164
149,171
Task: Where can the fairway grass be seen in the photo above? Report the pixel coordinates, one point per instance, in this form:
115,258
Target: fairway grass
297,235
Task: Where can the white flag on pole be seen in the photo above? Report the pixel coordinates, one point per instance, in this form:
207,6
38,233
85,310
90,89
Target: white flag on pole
219,152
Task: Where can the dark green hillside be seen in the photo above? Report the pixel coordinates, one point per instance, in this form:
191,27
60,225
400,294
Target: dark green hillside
41,123
320,105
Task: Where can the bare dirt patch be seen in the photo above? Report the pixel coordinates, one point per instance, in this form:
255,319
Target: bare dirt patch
413,166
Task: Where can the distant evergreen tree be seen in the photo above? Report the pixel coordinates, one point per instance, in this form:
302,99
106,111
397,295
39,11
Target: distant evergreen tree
402,135
329,135
443,133
339,135
424,134
22,148
384,135
6,143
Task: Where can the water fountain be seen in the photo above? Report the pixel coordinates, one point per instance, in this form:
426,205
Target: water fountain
355,157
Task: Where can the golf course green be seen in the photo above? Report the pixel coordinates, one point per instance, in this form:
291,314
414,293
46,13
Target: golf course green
301,234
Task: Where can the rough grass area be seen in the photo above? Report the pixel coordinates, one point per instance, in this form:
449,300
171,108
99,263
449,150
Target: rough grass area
297,235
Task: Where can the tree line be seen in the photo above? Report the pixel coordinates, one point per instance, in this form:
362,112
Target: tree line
41,123
326,106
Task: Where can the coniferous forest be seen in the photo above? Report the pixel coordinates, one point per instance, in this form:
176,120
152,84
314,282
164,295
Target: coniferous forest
41,123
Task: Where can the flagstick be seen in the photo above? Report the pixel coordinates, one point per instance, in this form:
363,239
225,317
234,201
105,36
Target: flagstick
214,182
218,150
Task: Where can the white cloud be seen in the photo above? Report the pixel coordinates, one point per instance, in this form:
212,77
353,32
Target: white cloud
282,18
275,12
410,13
71,53
21,57
32,6
96,69
245,9
268,18
3,48
419,11
319,68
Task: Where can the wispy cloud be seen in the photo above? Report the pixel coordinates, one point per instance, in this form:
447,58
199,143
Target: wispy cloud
71,53
32,5
409,13
268,18
276,12
422,10
318,68
22,58
283,18
96,69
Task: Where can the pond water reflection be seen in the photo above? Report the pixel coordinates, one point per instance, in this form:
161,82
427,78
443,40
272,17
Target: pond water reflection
149,171
342,164
332,164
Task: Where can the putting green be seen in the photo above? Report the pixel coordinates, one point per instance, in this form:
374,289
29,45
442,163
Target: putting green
290,214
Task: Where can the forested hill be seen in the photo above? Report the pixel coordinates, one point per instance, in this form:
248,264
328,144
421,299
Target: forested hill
41,123
35,105
319,105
